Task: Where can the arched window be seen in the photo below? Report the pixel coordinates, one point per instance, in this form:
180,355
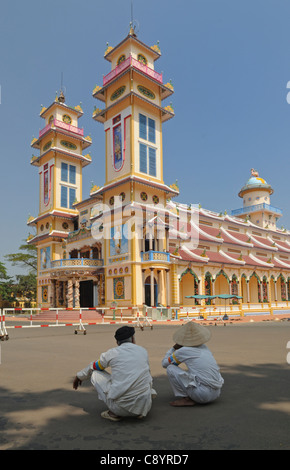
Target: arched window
121,59
141,58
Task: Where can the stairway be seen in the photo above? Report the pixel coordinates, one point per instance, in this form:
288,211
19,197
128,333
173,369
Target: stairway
65,316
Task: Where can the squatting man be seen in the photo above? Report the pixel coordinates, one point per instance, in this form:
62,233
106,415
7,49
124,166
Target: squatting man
128,391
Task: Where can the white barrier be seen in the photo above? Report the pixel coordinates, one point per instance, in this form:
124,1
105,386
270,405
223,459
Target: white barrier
3,331
140,320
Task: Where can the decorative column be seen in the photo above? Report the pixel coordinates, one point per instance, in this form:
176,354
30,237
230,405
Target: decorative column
159,280
261,292
248,291
213,289
275,286
286,290
167,288
143,286
152,287
150,240
69,294
167,239
239,281
175,286
77,294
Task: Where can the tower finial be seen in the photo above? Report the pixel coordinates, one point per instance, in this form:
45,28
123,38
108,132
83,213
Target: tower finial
132,31
61,97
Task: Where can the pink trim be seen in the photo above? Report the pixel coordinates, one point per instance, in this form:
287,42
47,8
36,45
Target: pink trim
130,61
61,125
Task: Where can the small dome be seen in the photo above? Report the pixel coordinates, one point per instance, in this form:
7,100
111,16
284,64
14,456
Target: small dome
256,180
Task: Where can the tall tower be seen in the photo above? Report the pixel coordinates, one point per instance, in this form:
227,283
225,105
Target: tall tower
133,115
257,203
60,162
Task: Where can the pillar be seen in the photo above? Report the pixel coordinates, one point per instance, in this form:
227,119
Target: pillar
167,239
159,281
152,287
69,293
143,286
167,288
213,289
77,294
248,291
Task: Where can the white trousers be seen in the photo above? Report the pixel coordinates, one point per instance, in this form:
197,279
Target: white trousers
179,381
101,382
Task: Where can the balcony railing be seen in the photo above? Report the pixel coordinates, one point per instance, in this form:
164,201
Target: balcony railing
130,61
155,256
77,262
61,125
257,207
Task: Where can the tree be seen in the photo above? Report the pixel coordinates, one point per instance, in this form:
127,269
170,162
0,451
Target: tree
3,271
26,258
7,293
25,287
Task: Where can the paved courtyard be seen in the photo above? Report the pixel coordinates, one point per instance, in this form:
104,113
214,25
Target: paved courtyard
41,411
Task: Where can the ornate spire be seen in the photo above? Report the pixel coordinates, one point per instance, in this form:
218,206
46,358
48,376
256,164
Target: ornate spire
61,97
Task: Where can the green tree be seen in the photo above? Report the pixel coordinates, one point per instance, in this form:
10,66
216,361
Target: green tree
25,288
25,258
7,292
25,285
3,271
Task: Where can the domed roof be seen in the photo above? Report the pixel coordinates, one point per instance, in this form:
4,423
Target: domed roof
255,182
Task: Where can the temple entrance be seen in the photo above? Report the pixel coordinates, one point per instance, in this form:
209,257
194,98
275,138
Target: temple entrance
148,292
86,294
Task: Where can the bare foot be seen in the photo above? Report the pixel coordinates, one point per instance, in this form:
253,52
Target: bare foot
185,401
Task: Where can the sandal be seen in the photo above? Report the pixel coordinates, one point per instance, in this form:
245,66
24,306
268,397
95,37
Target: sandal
107,415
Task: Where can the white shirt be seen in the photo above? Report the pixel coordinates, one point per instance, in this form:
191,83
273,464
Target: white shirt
201,365
130,384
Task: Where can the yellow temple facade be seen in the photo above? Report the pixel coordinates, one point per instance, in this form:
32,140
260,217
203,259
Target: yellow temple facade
129,243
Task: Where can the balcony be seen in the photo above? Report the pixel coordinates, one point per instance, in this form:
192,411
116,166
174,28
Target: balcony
61,125
255,208
130,61
155,256
77,263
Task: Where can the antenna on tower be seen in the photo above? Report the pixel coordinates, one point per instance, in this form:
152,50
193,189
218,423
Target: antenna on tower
62,90
134,25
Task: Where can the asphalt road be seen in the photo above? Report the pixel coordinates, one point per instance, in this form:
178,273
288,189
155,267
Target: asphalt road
41,411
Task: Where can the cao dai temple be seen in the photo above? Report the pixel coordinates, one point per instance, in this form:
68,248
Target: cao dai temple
129,243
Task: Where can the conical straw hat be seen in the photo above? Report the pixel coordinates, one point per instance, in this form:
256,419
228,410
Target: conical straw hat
191,334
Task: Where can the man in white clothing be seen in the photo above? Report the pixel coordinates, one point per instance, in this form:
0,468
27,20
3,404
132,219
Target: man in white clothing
202,381
127,391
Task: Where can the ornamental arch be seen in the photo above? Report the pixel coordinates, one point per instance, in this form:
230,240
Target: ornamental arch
221,286
189,285
254,288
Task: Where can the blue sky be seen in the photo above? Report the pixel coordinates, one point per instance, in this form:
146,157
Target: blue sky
229,62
